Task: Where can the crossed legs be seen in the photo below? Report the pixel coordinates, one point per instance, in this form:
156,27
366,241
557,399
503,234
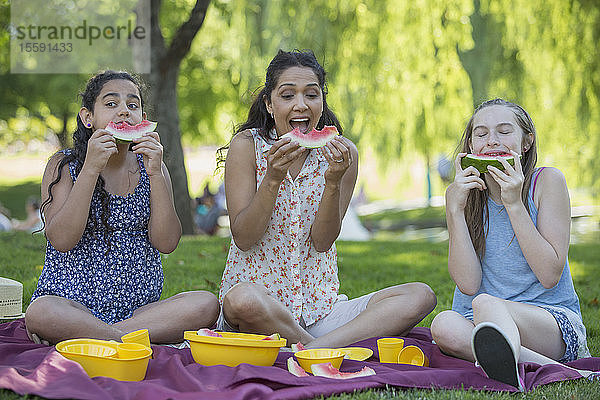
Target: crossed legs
391,311
532,331
53,318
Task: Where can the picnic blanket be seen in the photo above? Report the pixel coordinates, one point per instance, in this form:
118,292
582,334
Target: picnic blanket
26,367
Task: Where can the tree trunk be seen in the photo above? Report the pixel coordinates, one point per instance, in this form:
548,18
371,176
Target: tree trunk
165,107
165,62
478,61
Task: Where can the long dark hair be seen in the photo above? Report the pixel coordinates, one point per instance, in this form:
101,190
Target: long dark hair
476,210
78,152
258,116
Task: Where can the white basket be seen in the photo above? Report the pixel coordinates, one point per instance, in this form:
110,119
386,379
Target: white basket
11,299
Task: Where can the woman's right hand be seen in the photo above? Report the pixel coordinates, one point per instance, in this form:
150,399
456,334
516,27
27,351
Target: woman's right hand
100,147
280,157
464,180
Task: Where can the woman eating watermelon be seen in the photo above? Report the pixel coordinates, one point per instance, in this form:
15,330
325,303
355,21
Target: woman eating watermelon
289,177
108,214
509,237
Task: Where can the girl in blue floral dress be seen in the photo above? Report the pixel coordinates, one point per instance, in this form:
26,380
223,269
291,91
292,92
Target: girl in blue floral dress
108,215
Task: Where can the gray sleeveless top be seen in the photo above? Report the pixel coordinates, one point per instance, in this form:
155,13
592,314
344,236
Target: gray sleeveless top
506,274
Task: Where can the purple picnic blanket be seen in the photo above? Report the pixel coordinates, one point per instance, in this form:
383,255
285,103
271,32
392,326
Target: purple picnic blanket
26,367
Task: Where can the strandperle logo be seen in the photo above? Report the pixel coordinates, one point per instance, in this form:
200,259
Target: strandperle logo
82,31
79,36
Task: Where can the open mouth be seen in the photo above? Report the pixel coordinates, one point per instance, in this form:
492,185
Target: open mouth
121,123
301,123
497,154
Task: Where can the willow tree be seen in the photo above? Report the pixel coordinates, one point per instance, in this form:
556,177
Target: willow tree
556,45
395,77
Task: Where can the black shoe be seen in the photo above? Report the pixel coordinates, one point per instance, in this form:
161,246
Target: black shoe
494,353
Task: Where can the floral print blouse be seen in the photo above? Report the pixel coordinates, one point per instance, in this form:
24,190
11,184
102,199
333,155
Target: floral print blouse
284,260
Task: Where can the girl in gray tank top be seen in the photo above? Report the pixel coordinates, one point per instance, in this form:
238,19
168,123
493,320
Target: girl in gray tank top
509,228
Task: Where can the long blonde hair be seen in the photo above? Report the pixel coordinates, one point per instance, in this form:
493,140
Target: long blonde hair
476,209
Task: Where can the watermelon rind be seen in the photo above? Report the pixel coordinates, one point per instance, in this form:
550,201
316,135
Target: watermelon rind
481,162
329,371
313,139
127,133
294,368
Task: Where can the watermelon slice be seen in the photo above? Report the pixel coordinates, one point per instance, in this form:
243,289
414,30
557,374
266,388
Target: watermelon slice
208,332
125,132
298,347
274,336
481,161
329,371
294,368
314,138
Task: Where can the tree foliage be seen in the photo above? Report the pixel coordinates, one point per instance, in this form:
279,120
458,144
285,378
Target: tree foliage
403,75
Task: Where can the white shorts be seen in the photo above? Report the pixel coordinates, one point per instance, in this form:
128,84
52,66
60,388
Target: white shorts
343,311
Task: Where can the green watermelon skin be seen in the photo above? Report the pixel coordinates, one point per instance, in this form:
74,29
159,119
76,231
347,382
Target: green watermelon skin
481,164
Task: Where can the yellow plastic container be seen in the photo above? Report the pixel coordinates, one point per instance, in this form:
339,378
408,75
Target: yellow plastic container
413,355
308,357
389,348
233,349
102,358
140,336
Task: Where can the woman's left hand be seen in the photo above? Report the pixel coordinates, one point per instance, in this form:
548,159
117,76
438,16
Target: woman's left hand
149,145
337,153
510,180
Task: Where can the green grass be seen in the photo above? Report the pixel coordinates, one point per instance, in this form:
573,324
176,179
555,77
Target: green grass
14,195
426,217
364,266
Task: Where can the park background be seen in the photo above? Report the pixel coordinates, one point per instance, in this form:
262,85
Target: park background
404,77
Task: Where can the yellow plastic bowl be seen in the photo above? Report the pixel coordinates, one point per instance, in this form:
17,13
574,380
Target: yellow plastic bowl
308,357
99,358
233,349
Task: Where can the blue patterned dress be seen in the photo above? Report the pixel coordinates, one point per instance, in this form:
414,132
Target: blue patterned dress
111,284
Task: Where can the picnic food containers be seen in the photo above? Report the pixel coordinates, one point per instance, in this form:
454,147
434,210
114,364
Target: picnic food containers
308,357
389,348
120,361
232,348
392,350
413,355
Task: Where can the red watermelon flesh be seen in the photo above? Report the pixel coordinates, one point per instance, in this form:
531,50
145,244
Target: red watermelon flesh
313,139
208,332
125,132
329,371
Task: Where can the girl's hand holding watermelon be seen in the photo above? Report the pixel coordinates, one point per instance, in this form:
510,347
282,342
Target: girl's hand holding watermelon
280,157
338,154
100,148
150,147
464,180
510,181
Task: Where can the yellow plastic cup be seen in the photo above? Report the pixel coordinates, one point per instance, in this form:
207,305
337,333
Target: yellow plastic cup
413,355
140,336
389,348
131,350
